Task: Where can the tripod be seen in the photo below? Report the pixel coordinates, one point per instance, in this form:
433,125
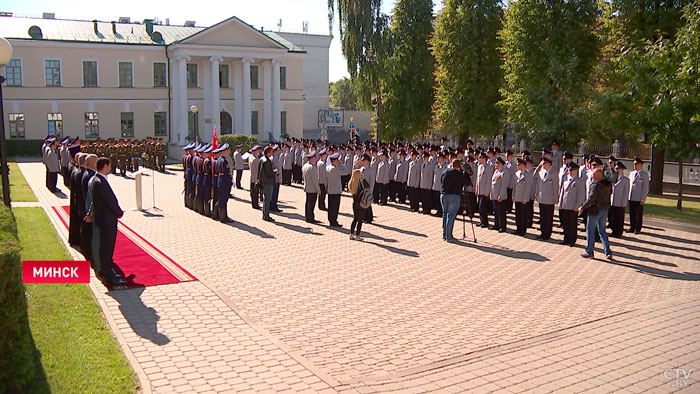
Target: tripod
153,190
464,225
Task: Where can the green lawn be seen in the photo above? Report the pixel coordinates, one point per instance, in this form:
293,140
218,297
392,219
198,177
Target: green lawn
19,189
665,207
78,352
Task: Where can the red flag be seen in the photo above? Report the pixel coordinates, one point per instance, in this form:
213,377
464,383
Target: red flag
214,140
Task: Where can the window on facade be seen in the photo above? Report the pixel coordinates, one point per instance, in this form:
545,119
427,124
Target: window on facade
254,122
127,124
159,75
223,75
283,77
191,75
254,77
53,72
192,126
160,125
16,125
13,73
126,76
283,122
55,124
92,125
89,73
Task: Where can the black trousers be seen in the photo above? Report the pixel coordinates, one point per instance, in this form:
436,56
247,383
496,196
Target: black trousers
254,195
286,177
333,208
86,240
359,214
401,192
53,178
546,220
296,173
636,214
414,196
569,222
521,217
66,176
392,190
530,213
616,220
484,210
310,205
509,201
436,202
47,179
322,198
499,213
103,240
344,180
383,192
239,174
426,198
375,192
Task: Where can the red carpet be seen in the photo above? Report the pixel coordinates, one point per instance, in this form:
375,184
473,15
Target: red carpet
140,263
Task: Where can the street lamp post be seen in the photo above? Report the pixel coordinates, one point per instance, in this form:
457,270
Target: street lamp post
5,56
194,110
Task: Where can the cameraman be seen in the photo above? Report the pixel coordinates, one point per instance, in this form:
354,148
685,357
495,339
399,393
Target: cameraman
453,182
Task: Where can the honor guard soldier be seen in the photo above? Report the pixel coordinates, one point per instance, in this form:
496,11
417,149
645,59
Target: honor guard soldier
620,197
122,155
113,156
205,184
547,197
571,196
312,188
639,188
213,204
225,182
199,179
186,167
522,191
253,164
160,155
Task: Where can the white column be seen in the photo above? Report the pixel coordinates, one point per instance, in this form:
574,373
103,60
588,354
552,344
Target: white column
267,100
215,110
246,96
180,91
238,97
205,108
276,101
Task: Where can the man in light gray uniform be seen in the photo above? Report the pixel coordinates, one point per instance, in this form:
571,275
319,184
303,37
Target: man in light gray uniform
522,192
253,162
620,197
413,182
401,176
440,168
426,183
547,197
334,170
288,156
639,188
383,178
311,187
499,194
483,188
572,194
238,165
322,179
54,167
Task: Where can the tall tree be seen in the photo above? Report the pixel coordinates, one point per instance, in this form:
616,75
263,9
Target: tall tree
364,41
468,74
408,79
550,50
343,94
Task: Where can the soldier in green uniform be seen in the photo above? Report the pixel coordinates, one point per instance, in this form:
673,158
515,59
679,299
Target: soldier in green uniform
160,155
136,151
122,156
113,156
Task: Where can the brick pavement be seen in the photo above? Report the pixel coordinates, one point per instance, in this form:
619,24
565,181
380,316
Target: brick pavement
401,311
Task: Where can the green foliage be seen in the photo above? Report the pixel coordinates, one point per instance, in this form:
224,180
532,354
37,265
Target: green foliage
233,140
550,50
16,362
408,80
23,148
344,94
468,74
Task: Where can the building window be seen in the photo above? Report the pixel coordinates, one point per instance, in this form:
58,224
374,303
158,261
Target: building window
16,125
127,124
253,77
13,73
92,125
160,78
53,72
160,125
191,75
223,75
283,77
193,126
254,122
126,76
89,73
56,124
283,122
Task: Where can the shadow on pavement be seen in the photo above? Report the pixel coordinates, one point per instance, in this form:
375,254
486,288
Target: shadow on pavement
142,319
250,229
502,251
660,273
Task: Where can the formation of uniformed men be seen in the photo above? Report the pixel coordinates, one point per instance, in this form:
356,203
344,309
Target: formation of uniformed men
208,179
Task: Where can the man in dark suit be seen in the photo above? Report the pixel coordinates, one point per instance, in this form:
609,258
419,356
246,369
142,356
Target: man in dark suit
104,214
86,227
77,202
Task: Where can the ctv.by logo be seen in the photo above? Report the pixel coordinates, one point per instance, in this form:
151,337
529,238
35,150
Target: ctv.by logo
680,376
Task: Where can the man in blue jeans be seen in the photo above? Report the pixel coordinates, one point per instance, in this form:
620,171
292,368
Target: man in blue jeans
453,182
598,204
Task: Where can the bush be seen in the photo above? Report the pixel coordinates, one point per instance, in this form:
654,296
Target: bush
16,350
23,148
234,139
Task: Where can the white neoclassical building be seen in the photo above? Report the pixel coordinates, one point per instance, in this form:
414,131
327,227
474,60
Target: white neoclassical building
126,79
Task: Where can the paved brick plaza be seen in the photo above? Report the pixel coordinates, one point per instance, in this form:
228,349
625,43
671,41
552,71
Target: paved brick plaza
297,307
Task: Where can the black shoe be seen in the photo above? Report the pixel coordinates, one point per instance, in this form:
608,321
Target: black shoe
563,243
572,244
630,230
336,225
276,210
502,230
492,228
638,232
324,209
256,207
268,219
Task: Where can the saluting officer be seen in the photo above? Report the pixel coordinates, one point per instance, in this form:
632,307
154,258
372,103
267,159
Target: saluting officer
521,195
253,163
639,188
547,196
322,179
499,194
571,197
225,182
483,189
620,197
311,186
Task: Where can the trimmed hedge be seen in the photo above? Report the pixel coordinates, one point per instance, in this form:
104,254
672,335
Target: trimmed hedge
16,349
23,148
248,141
